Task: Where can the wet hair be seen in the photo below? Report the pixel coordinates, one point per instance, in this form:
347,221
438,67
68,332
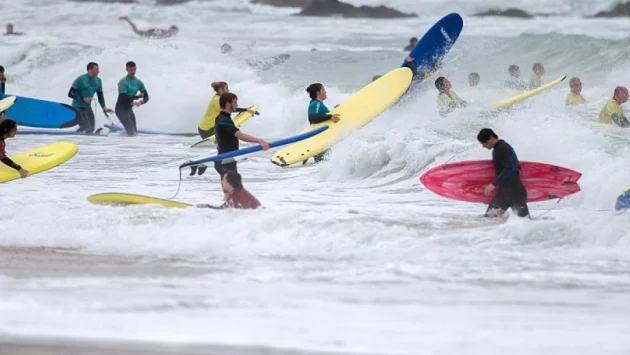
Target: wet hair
216,85
485,134
234,179
573,80
439,83
413,39
537,65
130,64
513,68
225,98
1,69
91,65
313,89
618,90
7,126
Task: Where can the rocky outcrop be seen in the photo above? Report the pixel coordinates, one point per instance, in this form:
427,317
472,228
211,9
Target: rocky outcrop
170,2
621,10
517,13
109,1
283,3
338,8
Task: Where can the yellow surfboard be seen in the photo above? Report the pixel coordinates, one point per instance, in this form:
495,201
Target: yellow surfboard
526,95
238,121
122,199
39,159
357,111
6,103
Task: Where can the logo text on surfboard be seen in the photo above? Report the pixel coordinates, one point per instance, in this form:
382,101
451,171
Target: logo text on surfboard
446,36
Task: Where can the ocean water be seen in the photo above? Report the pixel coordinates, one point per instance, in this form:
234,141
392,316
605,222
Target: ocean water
350,255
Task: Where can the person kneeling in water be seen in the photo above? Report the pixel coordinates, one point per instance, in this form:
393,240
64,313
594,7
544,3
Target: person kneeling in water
8,129
235,194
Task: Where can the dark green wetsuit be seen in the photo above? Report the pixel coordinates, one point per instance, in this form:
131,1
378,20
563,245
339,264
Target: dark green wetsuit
85,86
128,88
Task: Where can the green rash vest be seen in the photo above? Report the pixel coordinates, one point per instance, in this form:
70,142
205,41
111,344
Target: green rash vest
86,86
128,88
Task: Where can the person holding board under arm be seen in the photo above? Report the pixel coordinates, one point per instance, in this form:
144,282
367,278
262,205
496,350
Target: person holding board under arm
512,192
130,88
8,129
318,112
82,91
228,135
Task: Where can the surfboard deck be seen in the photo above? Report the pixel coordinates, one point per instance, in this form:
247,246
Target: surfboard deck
27,111
466,180
119,128
526,95
356,112
123,199
39,159
238,121
6,103
436,42
257,147
98,133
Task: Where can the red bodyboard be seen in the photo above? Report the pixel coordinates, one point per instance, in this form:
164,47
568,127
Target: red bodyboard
465,180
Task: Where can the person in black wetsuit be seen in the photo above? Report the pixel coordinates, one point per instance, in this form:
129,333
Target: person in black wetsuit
412,43
151,32
8,129
228,135
512,192
130,88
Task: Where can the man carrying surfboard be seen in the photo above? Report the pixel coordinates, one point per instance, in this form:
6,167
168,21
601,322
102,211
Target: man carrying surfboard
612,112
228,135
130,88
8,129
235,194
512,192
81,92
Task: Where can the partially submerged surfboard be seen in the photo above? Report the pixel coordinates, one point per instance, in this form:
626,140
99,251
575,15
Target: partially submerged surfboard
238,121
59,132
6,103
436,42
38,113
623,200
356,112
257,147
526,95
39,159
120,128
122,199
466,180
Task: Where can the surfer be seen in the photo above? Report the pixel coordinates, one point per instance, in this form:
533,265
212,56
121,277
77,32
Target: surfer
235,194
228,135
206,125
575,97
318,112
536,80
412,43
8,129
514,81
512,192
447,99
473,79
81,93
130,88
10,31
151,32
612,112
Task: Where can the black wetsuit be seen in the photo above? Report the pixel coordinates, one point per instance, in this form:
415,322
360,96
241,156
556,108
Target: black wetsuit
511,191
128,87
6,160
225,134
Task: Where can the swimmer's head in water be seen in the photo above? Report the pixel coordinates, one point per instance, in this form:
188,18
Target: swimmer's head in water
514,70
576,85
473,79
174,28
621,94
538,68
226,48
442,84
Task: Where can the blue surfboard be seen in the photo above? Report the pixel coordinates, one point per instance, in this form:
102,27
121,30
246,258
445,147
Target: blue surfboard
31,112
623,200
97,133
436,43
119,128
256,148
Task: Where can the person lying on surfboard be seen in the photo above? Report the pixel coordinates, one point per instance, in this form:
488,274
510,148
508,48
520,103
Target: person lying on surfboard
206,125
235,194
575,97
447,99
612,112
514,81
151,32
8,129
228,135
512,192
318,112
